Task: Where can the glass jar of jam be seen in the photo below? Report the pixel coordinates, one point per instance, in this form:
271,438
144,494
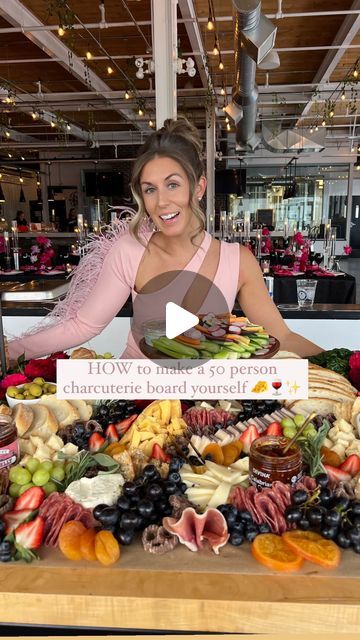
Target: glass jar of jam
268,462
9,444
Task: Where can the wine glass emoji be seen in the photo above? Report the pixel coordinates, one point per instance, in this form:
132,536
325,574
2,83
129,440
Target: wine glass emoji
276,384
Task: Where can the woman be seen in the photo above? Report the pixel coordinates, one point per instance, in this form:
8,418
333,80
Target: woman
168,183
21,221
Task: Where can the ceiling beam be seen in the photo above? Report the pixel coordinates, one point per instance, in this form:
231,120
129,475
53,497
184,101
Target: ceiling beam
17,14
345,35
188,13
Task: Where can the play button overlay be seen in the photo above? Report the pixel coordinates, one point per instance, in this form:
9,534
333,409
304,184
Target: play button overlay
170,306
178,320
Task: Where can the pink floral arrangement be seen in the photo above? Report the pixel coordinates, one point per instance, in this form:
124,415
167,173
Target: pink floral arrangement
42,252
347,250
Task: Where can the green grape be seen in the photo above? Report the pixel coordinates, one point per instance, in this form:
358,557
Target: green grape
287,422
14,490
299,420
107,355
47,465
58,473
32,464
22,476
41,477
49,487
13,472
289,432
25,487
310,431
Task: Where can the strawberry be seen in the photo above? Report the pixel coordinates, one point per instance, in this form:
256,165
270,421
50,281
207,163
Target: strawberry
30,534
158,453
274,429
336,474
12,519
351,465
124,425
111,433
248,437
30,499
96,441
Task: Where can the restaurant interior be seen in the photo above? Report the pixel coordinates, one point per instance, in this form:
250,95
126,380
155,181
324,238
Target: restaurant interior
271,86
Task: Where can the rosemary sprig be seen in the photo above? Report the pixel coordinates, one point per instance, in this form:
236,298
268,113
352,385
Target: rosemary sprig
79,464
310,448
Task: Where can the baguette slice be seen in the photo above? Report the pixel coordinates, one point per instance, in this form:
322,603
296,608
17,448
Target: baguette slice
44,423
23,416
64,412
85,410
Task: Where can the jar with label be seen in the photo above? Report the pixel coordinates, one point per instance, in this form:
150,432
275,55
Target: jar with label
9,444
268,462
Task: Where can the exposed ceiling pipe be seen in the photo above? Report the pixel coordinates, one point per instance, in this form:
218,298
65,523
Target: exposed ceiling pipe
254,39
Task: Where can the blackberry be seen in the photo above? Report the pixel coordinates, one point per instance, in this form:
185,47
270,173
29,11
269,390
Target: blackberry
5,551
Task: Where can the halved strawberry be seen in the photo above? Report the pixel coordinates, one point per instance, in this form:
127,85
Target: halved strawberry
111,433
13,519
248,437
125,424
31,499
336,474
274,429
351,465
158,453
96,441
30,534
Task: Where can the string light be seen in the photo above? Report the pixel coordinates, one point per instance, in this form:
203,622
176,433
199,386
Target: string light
127,95
343,96
68,126
61,31
7,133
316,128
323,124
88,55
210,23
227,120
22,158
52,124
222,90
221,64
34,115
151,124
140,111
9,155
331,114
228,126
311,130
355,73
216,50
110,70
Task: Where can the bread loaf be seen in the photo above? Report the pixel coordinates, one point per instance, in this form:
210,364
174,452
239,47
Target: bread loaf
44,423
23,416
84,409
64,412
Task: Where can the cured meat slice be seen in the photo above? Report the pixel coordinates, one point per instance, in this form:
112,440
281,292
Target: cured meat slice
193,528
250,504
270,513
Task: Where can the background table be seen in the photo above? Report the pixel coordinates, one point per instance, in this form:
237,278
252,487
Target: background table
329,290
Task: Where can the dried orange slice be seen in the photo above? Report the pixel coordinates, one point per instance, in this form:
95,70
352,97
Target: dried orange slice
230,453
272,551
215,451
312,546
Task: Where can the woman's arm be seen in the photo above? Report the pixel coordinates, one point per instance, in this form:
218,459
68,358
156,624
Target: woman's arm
256,303
108,296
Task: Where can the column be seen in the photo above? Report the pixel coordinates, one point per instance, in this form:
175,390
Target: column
349,201
164,38
210,170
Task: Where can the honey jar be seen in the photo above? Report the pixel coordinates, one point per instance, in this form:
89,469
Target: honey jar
268,462
9,444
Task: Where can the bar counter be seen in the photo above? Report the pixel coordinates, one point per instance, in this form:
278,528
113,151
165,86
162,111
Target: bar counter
182,591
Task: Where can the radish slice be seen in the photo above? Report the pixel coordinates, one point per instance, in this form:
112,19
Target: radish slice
261,352
271,340
234,329
218,333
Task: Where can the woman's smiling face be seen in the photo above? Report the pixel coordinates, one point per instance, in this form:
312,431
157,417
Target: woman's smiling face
166,194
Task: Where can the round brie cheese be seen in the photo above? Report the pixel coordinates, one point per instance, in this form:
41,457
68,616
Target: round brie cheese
103,489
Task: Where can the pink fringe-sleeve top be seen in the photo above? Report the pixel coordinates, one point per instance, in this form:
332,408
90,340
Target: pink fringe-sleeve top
112,287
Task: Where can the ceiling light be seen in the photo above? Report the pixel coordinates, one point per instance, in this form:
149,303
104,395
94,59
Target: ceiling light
222,91
216,50
61,32
34,115
9,155
52,124
331,114
127,95
140,111
323,124
355,73
88,55
221,64
151,124
227,120
68,126
22,158
343,96
110,70
311,130
316,128
7,133
228,126
210,24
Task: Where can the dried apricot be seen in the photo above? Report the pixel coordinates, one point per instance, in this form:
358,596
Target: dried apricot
239,445
69,539
107,548
230,453
115,447
215,452
330,457
87,544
